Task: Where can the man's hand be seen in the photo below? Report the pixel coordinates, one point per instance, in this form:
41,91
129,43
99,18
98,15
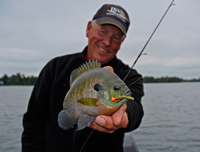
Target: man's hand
109,124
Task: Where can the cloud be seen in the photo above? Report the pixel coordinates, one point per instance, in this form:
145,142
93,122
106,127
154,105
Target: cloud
33,32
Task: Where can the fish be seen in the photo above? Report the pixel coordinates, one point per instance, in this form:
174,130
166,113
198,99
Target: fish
93,91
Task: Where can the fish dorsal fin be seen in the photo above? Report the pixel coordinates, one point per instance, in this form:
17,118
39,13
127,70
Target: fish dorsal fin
85,67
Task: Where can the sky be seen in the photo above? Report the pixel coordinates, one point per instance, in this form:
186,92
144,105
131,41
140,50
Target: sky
34,32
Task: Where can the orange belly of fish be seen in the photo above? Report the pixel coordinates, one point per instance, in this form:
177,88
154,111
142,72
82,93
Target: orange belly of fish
105,110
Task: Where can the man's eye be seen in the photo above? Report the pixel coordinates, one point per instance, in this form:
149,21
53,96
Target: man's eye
116,38
103,32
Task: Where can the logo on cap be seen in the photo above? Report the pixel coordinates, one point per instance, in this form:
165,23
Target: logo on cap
117,12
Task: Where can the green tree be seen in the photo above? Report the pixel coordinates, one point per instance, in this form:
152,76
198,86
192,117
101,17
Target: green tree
5,79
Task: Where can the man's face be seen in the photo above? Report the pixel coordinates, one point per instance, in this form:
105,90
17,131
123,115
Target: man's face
104,41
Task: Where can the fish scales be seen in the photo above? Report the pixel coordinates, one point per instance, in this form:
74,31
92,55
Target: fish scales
84,89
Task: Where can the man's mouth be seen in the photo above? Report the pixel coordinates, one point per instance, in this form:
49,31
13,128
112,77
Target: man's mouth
102,49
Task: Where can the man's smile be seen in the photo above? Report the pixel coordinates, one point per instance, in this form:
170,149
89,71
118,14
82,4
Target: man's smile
101,49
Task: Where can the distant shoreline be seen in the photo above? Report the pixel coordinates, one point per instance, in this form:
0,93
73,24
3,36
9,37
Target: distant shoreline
21,79
144,83
151,79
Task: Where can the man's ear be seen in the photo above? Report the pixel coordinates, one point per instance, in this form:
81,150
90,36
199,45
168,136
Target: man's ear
89,26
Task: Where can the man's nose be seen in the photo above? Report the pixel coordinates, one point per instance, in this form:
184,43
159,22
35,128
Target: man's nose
107,40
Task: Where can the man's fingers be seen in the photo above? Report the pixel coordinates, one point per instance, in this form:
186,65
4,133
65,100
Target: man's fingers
125,121
105,121
103,124
100,121
119,115
124,107
109,68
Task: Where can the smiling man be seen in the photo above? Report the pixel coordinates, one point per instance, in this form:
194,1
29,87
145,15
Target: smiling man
105,34
104,41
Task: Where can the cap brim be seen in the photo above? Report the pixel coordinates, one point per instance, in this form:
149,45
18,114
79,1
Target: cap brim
109,20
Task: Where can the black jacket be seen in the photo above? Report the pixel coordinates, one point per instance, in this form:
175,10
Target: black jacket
41,131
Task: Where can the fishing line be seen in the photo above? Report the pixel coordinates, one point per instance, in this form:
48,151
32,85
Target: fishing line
86,140
166,61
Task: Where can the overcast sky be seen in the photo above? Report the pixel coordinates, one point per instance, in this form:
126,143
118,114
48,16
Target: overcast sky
34,32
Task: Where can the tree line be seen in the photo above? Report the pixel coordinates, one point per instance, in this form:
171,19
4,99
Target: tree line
21,79
18,79
150,79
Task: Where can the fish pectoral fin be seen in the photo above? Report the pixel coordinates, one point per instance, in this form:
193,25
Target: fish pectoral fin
85,121
65,121
88,101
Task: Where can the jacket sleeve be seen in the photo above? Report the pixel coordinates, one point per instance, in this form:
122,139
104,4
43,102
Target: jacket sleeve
38,110
134,108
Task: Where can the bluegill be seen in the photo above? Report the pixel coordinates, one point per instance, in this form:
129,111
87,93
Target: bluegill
94,91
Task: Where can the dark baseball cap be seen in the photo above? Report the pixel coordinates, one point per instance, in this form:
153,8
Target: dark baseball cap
113,14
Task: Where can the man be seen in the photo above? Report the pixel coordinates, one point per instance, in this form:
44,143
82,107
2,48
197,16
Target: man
105,34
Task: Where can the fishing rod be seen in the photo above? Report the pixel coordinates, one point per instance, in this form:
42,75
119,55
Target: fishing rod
167,60
148,41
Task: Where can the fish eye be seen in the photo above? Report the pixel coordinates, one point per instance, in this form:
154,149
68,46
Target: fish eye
97,87
116,88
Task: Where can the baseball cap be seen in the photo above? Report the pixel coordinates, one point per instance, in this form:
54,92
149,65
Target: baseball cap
113,14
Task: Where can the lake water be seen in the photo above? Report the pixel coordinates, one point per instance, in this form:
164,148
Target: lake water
171,122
